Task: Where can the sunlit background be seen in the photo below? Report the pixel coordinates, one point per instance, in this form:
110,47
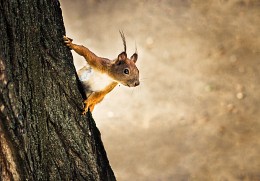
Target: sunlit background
196,114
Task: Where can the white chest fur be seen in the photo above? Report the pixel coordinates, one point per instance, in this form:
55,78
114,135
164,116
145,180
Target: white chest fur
93,80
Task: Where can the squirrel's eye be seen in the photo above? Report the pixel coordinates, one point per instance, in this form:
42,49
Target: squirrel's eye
126,71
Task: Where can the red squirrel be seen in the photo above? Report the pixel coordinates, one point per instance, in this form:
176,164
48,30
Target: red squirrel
102,75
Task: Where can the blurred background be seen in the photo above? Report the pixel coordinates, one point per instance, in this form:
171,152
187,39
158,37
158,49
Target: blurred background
196,114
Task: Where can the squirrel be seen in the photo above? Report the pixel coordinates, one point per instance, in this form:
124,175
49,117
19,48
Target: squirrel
102,75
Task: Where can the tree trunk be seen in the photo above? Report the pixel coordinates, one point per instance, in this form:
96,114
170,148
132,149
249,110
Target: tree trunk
43,135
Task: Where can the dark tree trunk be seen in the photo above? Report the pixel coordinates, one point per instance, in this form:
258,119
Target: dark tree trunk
43,135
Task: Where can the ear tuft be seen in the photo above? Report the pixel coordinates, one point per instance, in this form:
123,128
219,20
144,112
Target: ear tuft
134,57
122,56
123,38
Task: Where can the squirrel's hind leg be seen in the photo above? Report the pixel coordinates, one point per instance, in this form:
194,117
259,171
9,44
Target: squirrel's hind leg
86,106
96,97
92,100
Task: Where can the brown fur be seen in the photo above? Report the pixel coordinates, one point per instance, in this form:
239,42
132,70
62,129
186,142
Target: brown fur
122,70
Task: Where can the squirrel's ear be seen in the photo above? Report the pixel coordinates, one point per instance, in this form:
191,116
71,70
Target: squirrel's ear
134,57
122,56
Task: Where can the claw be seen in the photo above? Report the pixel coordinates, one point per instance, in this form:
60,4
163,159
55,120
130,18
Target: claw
67,38
85,107
67,41
84,112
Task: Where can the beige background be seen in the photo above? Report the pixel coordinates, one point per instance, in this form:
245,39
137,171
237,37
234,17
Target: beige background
195,115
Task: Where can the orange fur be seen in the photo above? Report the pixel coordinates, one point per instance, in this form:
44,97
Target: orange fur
94,61
97,97
113,69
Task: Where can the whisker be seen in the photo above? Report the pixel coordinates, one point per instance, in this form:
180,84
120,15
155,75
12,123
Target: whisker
145,78
132,92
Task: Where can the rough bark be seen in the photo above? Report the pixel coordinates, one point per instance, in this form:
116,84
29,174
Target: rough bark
43,136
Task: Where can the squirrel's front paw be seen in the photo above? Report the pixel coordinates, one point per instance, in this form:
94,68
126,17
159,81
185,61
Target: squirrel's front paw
67,41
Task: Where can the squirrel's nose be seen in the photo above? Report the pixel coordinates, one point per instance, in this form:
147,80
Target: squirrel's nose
137,83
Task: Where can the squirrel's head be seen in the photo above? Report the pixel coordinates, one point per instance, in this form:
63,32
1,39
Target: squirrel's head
125,71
